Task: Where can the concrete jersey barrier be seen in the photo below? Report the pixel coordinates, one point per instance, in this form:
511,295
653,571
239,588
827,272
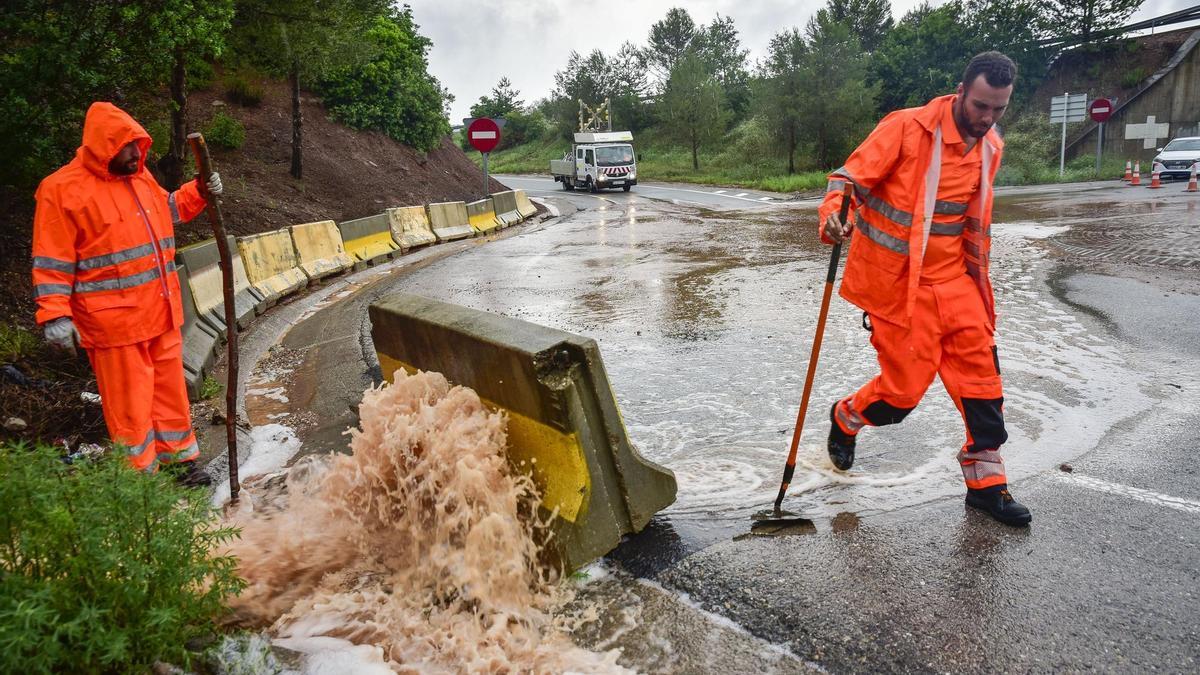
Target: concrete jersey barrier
319,249
200,342
206,284
564,426
449,221
271,264
524,206
505,204
369,240
410,226
482,216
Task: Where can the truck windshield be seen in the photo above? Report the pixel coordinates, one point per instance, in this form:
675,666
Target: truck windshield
615,155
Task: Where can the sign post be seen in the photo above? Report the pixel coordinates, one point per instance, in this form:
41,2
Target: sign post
1100,110
1067,108
484,136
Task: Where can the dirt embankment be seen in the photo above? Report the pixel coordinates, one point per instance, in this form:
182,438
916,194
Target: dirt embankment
347,174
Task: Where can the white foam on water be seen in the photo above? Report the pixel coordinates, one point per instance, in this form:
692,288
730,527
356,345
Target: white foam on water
272,446
1029,229
324,655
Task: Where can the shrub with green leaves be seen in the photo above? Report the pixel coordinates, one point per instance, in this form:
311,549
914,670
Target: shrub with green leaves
16,343
242,91
225,131
103,569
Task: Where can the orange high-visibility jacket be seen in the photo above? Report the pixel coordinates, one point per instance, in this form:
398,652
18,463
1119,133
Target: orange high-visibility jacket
104,245
895,176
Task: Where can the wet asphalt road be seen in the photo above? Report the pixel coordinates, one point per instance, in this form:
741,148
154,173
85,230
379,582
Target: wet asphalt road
703,305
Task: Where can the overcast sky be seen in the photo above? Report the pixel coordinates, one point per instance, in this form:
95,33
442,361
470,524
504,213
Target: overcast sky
476,42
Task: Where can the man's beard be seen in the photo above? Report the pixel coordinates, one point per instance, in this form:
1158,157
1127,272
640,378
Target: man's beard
126,169
974,130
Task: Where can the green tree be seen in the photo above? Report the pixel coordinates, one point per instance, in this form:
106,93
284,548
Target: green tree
720,50
502,101
670,40
387,85
1087,17
869,20
923,56
591,79
780,90
58,57
693,106
302,40
1012,28
843,113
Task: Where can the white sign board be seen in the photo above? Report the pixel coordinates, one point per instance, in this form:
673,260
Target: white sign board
1069,108
1148,133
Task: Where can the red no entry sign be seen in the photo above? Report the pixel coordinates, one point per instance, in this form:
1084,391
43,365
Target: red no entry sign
484,134
1100,110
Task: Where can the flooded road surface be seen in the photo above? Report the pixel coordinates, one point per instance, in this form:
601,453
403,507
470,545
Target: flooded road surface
706,318
704,310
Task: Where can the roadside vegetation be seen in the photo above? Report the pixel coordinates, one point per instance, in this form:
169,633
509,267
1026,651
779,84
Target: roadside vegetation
701,112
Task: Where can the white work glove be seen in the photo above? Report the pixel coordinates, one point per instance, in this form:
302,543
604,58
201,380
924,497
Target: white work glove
214,183
62,334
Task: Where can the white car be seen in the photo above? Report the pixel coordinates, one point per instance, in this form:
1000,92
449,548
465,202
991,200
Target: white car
1179,155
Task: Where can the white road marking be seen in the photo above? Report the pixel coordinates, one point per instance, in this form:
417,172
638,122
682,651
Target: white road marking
718,192
741,194
765,199
648,187
1156,498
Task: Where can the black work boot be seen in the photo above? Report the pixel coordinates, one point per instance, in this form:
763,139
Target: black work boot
999,504
841,444
192,475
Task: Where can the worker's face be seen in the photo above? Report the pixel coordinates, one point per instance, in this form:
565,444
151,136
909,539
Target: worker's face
127,160
980,105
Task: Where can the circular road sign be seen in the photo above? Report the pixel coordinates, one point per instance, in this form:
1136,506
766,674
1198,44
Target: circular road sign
484,134
1100,110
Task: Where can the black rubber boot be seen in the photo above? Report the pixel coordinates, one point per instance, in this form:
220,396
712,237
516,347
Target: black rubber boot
841,444
999,504
192,475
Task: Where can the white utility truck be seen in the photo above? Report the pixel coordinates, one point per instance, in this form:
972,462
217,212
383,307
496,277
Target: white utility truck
597,160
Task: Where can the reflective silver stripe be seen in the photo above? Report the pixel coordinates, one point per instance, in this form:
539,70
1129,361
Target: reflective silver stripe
188,453
883,238
139,449
128,254
172,435
841,171
44,263
946,228
949,208
174,209
903,218
835,186
122,282
42,290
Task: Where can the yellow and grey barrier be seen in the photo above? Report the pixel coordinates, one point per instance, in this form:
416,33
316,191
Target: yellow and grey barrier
271,264
369,240
206,284
505,204
200,342
524,206
482,216
449,221
319,249
564,426
410,226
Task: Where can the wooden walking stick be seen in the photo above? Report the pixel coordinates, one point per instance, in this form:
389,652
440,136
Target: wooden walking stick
204,165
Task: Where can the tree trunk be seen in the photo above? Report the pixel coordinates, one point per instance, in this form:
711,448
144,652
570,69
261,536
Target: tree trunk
791,149
172,165
695,160
297,122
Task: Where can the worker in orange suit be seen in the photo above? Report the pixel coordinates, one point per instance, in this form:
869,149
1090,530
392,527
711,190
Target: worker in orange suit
918,268
104,279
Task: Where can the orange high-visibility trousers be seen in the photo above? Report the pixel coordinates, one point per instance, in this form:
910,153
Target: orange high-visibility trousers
145,400
949,337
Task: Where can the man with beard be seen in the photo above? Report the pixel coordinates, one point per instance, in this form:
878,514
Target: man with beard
104,279
918,268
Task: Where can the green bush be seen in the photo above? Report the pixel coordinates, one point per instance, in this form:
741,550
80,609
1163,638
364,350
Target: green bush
240,90
1133,77
16,343
103,569
225,131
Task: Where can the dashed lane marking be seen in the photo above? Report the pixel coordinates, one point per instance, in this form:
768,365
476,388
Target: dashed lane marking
719,192
741,194
1147,496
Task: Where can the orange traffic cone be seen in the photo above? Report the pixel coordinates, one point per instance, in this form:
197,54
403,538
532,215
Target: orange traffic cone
1192,187
1137,174
1154,176
1128,171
